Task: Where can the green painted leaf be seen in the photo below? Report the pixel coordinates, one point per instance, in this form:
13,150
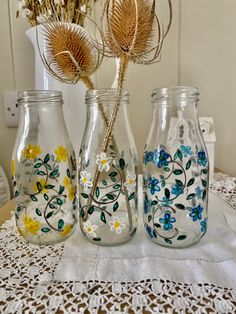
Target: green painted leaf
46,159
157,225
122,163
113,174
52,206
73,177
45,230
204,183
84,195
116,187
179,183
190,182
205,171
168,241
68,172
163,184
181,237
154,203
41,173
204,194
191,196
38,212
179,154
110,196
188,165
131,196
59,201
97,239
115,207
62,189
113,179
180,206
149,218
17,193
166,169
104,182
103,218
91,210
48,167
46,197
49,187
38,165
154,234
178,172
54,173
167,193
61,224
19,209
82,213
34,198
97,192
39,186
49,215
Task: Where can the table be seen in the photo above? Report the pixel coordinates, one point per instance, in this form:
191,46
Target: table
27,282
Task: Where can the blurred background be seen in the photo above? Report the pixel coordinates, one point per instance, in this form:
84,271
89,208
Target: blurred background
200,51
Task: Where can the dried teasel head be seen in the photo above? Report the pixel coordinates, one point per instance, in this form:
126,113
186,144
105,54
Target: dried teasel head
69,54
131,30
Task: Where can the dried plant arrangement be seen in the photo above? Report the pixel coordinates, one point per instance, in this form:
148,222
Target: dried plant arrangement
71,11
132,32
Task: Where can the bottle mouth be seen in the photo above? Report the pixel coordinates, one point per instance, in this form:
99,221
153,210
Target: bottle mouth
38,97
106,96
178,93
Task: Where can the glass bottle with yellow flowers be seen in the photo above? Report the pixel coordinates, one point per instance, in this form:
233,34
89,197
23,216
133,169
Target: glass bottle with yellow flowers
43,170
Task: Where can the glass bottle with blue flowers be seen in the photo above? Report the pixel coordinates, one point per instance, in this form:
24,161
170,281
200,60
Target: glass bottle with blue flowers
176,170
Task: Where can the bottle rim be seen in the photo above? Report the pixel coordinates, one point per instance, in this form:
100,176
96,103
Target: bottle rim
106,96
39,97
179,93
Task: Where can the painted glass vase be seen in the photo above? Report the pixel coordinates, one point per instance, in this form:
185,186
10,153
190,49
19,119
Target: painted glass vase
176,168
108,179
43,170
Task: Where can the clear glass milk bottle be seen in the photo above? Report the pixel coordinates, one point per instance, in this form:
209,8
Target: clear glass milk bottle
175,170
43,170
108,205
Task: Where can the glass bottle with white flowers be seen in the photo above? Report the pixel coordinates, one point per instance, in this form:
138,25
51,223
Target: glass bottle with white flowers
175,170
108,201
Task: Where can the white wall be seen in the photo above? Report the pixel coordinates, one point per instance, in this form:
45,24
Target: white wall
200,50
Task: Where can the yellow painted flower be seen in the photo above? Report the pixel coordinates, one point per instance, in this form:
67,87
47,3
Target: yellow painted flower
67,230
71,194
61,153
32,152
32,226
12,168
67,182
21,232
42,183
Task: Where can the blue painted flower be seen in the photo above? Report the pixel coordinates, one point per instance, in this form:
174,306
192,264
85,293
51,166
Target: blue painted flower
177,189
148,157
161,158
153,185
204,225
147,205
149,231
198,192
167,221
166,201
202,158
196,213
187,150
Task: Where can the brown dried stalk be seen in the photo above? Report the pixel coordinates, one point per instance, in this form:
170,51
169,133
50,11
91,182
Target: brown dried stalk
129,28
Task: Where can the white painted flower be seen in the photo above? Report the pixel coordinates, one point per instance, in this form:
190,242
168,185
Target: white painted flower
83,8
130,183
90,229
117,225
85,180
103,162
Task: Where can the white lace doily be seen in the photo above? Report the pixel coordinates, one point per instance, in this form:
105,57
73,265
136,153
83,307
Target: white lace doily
27,283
